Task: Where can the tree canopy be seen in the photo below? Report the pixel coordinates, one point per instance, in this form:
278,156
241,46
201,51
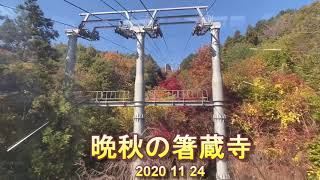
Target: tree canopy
29,34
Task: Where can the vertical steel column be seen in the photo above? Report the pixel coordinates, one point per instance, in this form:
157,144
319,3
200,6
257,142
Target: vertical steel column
70,61
139,90
219,117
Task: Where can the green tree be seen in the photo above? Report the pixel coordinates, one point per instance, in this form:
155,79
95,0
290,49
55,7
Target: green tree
8,34
314,157
54,157
186,63
252,36
87,57
30,34
237,37
152,73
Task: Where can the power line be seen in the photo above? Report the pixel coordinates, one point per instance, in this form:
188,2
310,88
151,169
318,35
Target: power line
105,3
188,41
213,3
157,48
190,36
7,7
125,9
59,22
63,23
75,27
165,42
83,10
146,8
109,40
117,44
119,12
154,45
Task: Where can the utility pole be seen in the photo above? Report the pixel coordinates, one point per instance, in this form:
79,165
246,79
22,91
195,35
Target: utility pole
219,117
139,90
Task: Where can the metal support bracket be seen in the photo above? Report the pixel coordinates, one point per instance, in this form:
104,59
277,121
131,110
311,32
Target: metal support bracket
84,33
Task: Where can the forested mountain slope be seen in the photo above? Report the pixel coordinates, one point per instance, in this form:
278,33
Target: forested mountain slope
31,93
272,97
271,75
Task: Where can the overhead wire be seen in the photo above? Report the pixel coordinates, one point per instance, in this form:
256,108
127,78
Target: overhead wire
211,6
63,23
125,9
59,22
208,10
105,3
82,9
109,40
146,8
102,37
8,7
188,41
165,42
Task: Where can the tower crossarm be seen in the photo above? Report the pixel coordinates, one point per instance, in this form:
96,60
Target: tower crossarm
127,26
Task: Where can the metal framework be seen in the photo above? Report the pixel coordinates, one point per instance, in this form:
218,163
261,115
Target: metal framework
151,26
110,95
178,95
153,98
137,29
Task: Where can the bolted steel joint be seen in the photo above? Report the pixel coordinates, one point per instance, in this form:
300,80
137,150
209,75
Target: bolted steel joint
154,30
89,35
200,29
219,117
224,176
125,31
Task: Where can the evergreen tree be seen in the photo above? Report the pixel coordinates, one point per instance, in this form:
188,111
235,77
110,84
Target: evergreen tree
228,42
237,36
30,34
252,36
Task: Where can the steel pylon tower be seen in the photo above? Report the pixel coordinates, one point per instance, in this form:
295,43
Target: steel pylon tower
70,64
128,29
136,30
139,88
219,116
70,61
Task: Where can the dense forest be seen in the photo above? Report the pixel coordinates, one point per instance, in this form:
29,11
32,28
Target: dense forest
272,97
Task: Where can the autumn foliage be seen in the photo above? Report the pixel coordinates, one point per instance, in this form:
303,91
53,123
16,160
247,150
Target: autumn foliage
170,83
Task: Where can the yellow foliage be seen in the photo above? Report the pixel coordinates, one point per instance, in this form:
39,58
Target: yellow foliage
22,66
279,89
287,118
125,117
154,113
251,110
272,152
